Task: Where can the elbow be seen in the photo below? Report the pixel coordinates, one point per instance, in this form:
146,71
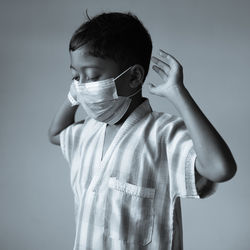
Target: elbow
50,135
50,138
218,171
226,172
53,139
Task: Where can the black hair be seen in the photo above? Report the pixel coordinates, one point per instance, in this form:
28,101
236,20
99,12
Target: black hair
118,36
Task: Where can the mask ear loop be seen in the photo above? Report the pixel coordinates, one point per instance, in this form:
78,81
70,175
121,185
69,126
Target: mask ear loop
123,72
137,91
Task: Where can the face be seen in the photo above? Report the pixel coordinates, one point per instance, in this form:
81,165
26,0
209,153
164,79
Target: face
87,68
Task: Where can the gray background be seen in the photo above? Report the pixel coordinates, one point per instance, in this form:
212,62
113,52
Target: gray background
212,41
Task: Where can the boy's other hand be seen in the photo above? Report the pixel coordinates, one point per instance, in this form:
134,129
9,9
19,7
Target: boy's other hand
170,70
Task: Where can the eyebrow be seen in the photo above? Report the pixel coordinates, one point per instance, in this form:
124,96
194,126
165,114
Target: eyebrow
85,67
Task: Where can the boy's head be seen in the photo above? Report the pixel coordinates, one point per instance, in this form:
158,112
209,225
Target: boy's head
116,37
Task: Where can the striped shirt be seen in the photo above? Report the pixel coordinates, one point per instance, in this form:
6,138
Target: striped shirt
130,198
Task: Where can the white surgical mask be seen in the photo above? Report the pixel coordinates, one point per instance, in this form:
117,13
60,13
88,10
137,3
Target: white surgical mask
100,99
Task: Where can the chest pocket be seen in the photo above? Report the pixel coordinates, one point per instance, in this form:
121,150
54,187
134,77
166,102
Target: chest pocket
129,213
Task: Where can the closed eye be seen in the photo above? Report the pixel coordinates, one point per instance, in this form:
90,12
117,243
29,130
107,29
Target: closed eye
92,78
76,78
87,79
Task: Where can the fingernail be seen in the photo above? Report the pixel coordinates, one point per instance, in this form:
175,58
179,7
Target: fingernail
154,68
162,53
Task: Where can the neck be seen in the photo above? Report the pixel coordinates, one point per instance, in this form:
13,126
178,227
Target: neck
136,101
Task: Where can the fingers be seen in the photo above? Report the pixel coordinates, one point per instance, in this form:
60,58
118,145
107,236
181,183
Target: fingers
167,68
170,63
171,59
160,71
161,64
152,88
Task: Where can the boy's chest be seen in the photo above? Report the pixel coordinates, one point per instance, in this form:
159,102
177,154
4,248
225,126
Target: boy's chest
133,156
109,136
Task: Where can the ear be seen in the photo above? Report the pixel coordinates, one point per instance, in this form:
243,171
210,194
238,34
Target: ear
137,76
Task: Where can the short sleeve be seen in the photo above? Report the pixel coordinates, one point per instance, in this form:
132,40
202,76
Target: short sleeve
181,163
69,140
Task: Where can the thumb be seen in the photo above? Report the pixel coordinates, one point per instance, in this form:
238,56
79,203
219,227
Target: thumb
152,88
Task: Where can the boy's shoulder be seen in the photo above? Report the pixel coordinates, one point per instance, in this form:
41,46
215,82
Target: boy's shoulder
166,118
156,119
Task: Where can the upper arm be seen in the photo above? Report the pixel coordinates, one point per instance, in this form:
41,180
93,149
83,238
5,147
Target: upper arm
55,139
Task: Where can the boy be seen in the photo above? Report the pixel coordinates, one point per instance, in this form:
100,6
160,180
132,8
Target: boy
130,165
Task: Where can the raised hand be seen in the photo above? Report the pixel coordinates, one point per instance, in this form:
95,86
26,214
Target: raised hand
170,71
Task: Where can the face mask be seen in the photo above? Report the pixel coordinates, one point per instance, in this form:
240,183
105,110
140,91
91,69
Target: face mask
100,99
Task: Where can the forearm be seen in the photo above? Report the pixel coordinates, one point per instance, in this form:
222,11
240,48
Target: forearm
64,117
214,158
